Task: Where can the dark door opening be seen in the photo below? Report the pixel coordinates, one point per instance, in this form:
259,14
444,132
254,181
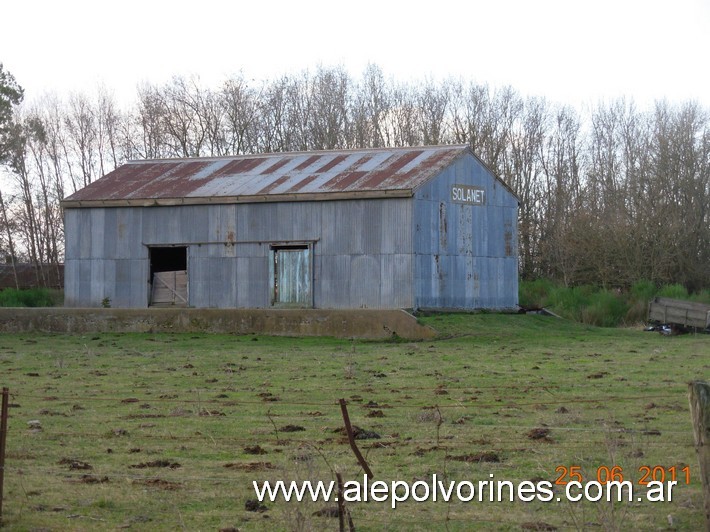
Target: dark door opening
290,274
168,276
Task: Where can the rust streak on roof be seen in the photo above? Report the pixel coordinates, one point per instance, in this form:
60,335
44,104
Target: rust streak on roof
271,169
343,181
303,182
308,162
330,164
271,186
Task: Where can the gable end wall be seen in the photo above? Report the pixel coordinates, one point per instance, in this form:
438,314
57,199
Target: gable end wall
466,256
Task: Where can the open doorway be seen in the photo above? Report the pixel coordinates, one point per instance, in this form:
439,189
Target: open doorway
168,276
290,274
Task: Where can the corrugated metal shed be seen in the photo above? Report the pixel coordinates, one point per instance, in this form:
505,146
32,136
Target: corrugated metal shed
342,174
425,227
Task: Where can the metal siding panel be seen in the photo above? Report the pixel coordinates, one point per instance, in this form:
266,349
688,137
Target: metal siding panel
96,278
149,228
469,281
371,226
195,223
120,287
252,275
198,275
464,231
110,287
497,240
258,284
125,233
222,282
72,233
364,292
129,285
396,227
84,282
426,226
306,222
328,231
283,223
258,222
85,237
387,281
348,226
478,215
248,288
334,282
72,293
242,278
138,272
109,230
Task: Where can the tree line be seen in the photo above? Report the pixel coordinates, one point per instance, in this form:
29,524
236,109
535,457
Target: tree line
608,195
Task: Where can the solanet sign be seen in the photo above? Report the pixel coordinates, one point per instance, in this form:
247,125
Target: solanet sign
468,194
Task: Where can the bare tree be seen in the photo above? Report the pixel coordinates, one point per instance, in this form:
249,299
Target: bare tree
370,108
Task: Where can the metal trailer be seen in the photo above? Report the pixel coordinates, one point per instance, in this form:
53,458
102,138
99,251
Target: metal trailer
679,313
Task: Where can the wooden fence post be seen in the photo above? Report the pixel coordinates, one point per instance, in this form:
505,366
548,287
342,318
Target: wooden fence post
351,439
3,439
699,398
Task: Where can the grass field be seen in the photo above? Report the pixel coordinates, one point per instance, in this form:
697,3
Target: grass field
162,432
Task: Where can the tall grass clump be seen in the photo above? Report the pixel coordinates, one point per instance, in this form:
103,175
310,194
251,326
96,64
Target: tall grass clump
534,294
605,308
640,294
570,301
702,297
674,291
33,297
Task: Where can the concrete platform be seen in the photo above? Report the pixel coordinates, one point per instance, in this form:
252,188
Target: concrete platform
365,324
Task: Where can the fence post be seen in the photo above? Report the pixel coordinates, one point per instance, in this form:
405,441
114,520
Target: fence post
3,439
351,439
699,398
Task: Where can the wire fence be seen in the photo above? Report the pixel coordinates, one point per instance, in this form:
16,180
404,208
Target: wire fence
213,441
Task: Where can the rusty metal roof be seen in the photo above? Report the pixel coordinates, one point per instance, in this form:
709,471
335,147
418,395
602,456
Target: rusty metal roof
269,177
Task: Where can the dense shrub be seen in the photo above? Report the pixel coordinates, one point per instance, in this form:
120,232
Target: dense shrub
533,294
34,297
598,306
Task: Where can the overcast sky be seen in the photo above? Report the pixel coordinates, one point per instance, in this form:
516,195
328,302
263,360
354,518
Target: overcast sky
569,51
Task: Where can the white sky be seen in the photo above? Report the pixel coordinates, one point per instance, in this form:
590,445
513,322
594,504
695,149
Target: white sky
569,51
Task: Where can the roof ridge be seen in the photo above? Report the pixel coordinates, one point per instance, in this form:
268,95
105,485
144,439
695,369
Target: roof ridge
265,155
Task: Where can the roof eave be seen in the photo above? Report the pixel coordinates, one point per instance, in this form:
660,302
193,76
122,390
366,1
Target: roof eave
221,200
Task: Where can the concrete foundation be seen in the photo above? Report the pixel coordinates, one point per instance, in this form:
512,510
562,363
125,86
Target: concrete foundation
366,324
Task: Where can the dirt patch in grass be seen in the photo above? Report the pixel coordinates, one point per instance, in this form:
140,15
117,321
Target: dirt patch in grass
250,466
540,434
156,463
475,458
254,449
158,483
75,465
292,428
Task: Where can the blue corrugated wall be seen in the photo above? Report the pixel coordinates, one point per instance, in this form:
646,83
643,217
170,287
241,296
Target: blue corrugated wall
466,256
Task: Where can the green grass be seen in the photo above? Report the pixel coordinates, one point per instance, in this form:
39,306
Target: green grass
116,401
